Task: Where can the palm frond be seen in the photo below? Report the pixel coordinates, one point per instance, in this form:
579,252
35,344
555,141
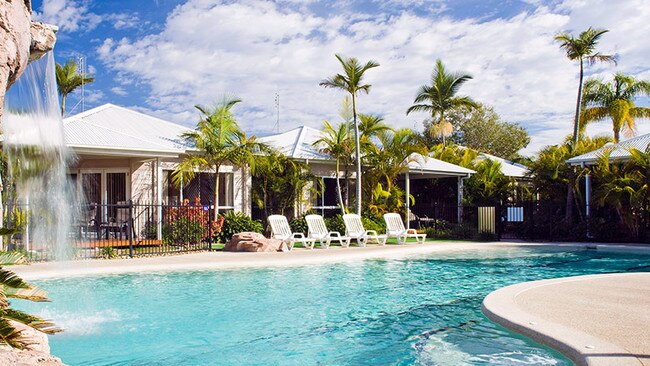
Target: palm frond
11,280
9,335
10,258
33,321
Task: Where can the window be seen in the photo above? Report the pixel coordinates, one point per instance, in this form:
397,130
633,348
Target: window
172,194
91,187
202,187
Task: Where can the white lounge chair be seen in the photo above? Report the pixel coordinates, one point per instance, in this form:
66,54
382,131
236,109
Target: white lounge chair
281,230
395,228
317,230
355,230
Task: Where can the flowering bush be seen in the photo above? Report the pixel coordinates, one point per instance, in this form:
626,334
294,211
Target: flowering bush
189,225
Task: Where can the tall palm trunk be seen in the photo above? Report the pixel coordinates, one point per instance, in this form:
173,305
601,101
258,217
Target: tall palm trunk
568,214
444,139
357,152
338,187
63,98
576,122
216,193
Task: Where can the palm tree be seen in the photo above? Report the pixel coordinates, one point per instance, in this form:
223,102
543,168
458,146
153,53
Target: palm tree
625,187
388,158
68,79
371,126
220,139
440,97
580,49
615,100
12,286
352,81
335,142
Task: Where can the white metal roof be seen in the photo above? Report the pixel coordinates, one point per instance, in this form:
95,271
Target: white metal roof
620,151
297,143
508,168
110,128
427,165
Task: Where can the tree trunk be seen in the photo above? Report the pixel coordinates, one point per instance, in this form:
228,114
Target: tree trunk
338,188
617,135
576,122
347,185
568,215
63,98
216,193
357,152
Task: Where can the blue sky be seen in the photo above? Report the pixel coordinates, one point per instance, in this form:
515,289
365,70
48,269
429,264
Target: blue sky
162,57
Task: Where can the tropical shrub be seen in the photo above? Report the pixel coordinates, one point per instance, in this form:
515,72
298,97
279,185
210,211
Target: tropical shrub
12,286
278,183
183,231
371,222
237,222
447,230
108,253
299,224
626,188
335,223
188,225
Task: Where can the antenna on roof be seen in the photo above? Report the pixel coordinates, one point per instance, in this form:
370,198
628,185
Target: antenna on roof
81,69
277,108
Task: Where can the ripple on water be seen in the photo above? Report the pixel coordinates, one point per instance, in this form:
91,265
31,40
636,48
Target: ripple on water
423,310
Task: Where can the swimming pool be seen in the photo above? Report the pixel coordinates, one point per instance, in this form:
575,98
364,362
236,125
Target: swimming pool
418,310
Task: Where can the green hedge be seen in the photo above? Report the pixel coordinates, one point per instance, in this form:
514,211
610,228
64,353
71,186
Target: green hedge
237,222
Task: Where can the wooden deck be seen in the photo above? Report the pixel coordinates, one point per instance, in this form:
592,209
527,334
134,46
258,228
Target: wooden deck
105,243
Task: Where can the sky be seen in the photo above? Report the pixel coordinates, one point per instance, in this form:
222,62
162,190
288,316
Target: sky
163,57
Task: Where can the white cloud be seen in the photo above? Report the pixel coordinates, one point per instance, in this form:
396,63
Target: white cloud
254,48
123,20
118,90
68,15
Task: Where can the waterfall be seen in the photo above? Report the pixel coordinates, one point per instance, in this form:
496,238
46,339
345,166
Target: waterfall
38,192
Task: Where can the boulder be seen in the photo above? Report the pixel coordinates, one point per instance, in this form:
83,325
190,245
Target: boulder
36,352
254,242
21,41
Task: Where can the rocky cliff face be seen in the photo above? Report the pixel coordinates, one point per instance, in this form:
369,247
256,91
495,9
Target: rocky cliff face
37,351
21,41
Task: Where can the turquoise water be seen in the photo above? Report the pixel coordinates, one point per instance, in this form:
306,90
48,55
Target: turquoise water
423,310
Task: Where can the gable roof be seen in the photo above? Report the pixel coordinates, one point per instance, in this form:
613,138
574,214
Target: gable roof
114,129
431,166
297,143
620,151
508,168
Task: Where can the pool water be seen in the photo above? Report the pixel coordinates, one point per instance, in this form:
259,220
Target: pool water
418,310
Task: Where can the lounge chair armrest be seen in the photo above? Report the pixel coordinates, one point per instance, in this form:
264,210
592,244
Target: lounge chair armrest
298,236
372,232
411,231
334,233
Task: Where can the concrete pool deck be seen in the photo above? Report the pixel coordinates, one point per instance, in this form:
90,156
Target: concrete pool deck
594,320
297,257
233,260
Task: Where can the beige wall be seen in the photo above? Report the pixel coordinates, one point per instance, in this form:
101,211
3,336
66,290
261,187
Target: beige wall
142,173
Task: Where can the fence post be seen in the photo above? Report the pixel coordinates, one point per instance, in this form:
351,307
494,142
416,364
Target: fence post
130,228
210,226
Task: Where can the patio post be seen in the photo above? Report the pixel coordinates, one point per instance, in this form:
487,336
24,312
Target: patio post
407,185
181,198
159,199
459,198
587,195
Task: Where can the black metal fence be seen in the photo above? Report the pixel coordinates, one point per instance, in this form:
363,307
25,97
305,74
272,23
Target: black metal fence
117,230
530,221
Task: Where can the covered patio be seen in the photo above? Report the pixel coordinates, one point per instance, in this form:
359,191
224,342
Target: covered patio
422,170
